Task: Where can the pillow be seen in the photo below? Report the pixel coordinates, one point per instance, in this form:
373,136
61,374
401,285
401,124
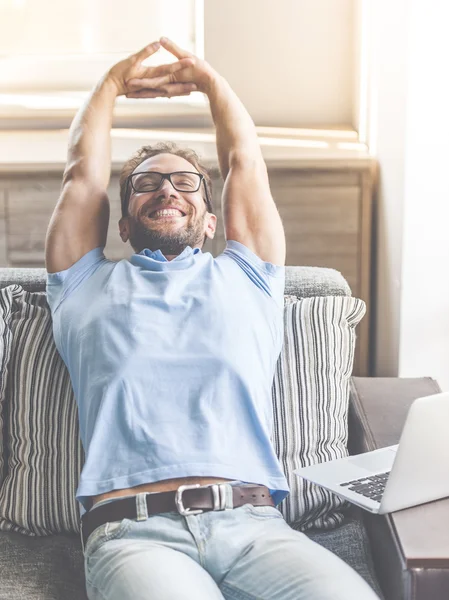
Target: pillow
5,349
310,401
43,448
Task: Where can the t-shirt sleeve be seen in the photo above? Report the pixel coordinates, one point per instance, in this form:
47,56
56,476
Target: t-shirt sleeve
265,275
60,285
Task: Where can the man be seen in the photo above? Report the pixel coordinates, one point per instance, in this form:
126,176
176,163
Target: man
172,354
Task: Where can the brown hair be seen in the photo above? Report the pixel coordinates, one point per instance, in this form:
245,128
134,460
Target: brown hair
161,148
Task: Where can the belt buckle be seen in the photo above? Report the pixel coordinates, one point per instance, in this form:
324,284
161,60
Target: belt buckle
178,500
219,498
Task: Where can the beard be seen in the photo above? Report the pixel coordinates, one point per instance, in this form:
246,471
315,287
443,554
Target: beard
164,237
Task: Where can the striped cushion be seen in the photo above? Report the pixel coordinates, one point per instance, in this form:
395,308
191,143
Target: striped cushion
45,455
43,447
5,348
310,400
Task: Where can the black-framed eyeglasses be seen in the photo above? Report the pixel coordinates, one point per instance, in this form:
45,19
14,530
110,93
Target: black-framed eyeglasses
182,181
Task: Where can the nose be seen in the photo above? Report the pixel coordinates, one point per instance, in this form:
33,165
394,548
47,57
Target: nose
166,184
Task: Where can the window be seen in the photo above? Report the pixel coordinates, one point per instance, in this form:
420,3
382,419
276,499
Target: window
52,53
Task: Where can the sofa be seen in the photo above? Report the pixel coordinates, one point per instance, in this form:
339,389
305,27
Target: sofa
404,555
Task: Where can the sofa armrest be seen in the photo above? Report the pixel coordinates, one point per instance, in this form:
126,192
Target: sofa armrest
378,408
410,547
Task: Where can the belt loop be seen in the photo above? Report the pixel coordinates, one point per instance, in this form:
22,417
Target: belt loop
141,506
228,494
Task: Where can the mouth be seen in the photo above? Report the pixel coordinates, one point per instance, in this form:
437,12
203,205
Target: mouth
161,215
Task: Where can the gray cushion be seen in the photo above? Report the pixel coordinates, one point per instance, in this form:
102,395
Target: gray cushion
52,568
350,543
299,281
41,568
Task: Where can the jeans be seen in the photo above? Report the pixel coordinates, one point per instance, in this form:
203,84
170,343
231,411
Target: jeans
247,553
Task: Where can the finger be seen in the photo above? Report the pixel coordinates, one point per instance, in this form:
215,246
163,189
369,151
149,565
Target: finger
177,89
135,85
173,48
145,94
153,94
162,93
150,82
147,82
166,70
147,51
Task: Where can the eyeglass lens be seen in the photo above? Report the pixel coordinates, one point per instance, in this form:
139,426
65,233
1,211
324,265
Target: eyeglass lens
186,182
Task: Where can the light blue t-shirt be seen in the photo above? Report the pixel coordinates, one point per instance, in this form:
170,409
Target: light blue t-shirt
172,364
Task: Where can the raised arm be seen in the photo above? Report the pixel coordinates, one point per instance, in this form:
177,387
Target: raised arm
249,212
81,217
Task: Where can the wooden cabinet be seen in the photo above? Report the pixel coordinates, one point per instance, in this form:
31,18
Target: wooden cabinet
325,206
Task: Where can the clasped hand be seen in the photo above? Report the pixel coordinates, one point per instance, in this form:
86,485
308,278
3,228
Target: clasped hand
180,78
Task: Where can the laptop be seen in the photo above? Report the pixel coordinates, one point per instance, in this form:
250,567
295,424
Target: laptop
413,472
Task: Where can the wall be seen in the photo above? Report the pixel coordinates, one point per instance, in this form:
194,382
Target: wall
407,129
386,59
424,330
291,62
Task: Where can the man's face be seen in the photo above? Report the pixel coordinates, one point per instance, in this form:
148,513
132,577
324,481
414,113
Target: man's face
169,234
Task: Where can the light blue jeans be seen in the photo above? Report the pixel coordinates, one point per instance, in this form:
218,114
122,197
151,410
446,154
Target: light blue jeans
248,553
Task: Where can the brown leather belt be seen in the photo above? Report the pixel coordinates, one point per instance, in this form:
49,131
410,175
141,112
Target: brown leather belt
186,500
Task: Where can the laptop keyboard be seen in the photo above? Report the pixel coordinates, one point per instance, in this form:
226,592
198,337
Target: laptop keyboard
371,487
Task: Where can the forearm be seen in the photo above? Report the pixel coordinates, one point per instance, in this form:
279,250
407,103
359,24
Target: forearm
89,149
235,130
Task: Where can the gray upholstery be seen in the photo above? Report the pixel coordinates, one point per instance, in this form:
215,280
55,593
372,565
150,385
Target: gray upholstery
350,542
51,568
299,281
41,568
387,414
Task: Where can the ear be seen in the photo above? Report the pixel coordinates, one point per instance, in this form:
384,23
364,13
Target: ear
211,225
123,226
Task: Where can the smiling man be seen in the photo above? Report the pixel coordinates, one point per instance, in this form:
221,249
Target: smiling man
171,355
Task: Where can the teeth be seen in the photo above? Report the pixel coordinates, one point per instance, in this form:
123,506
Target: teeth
170,211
